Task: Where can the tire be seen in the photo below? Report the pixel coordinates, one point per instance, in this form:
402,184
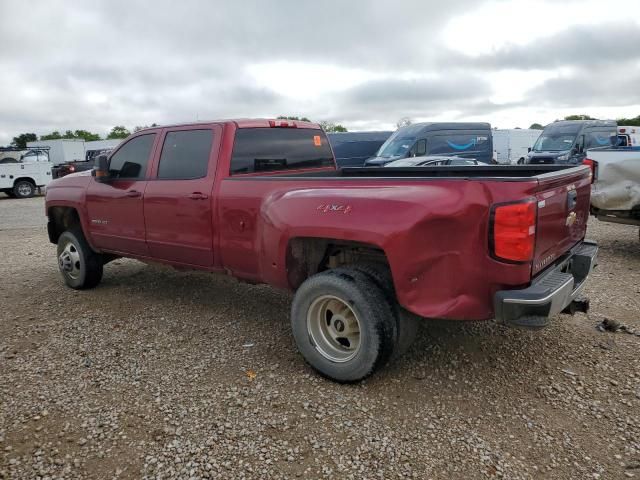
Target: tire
348,299
81,267
408,324
24,189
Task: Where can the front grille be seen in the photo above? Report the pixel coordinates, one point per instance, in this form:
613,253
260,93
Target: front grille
541,160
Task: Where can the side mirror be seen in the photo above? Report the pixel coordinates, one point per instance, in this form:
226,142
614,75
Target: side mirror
528,149
101,169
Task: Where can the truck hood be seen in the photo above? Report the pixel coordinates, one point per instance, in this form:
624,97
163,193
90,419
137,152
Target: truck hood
547,153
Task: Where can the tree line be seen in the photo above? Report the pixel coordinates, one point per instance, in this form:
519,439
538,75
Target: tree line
119,131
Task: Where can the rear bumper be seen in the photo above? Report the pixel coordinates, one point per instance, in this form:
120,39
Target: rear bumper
550,293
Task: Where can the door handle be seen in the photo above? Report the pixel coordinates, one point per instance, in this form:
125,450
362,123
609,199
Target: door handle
133,193
198,196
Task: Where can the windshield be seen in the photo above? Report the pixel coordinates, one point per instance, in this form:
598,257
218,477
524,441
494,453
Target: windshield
396,146
556,138
554,143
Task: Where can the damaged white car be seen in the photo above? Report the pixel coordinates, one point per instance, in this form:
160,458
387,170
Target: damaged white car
615,193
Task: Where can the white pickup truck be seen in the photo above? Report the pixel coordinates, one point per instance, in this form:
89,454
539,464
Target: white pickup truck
615,193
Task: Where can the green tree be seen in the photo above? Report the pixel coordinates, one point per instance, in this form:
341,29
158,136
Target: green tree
332,127
137,128
72,135
86,136
629,121
579,117
21,140
55,135
536,126
302,119
118,132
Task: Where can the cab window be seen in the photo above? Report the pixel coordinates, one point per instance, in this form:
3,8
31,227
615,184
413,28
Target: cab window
185,154
130,161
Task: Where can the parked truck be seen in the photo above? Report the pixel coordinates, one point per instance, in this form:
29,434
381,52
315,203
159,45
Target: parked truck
628,136
369,252
91,151
615,194
23,172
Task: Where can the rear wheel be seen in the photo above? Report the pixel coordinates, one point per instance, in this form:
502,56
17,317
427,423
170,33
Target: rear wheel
24,189
408,324
79,265
343,324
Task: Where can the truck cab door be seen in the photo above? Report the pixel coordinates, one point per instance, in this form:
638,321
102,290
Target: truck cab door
178,203
115,208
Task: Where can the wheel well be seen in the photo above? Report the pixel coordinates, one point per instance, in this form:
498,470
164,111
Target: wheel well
28,179
307,256
61,219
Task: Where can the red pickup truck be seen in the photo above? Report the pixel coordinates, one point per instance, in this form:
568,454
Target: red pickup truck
367,251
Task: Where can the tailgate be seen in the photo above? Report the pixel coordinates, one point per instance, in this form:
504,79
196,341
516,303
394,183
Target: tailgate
563,210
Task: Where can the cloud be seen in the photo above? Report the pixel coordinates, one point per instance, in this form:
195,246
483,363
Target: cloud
70,64
589,88
392,98
579,46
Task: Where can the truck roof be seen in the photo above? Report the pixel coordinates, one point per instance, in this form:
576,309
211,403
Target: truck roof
586,123
416,128
244,123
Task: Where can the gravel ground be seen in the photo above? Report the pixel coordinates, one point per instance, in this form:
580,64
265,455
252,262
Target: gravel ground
165,374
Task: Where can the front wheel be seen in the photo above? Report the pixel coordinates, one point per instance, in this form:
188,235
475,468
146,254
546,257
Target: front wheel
79,265
24,189
343,324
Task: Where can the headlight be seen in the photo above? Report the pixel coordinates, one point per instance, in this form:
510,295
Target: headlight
563,157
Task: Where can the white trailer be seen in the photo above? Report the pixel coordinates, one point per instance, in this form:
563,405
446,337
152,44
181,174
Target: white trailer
511,145
102,144
62,150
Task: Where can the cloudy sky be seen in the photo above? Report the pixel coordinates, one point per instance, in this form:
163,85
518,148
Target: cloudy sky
92,65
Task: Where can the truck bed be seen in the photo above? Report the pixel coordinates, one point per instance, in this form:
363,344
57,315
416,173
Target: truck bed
489,172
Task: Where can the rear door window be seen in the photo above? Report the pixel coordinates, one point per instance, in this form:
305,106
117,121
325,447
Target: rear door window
279,149
185,154
130,161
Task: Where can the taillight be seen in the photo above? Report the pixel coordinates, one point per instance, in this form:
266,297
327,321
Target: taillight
513,231
593,165
72,168
282,123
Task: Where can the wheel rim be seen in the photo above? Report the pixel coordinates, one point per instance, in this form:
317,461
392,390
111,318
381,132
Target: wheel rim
24,189
69,261
334,328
